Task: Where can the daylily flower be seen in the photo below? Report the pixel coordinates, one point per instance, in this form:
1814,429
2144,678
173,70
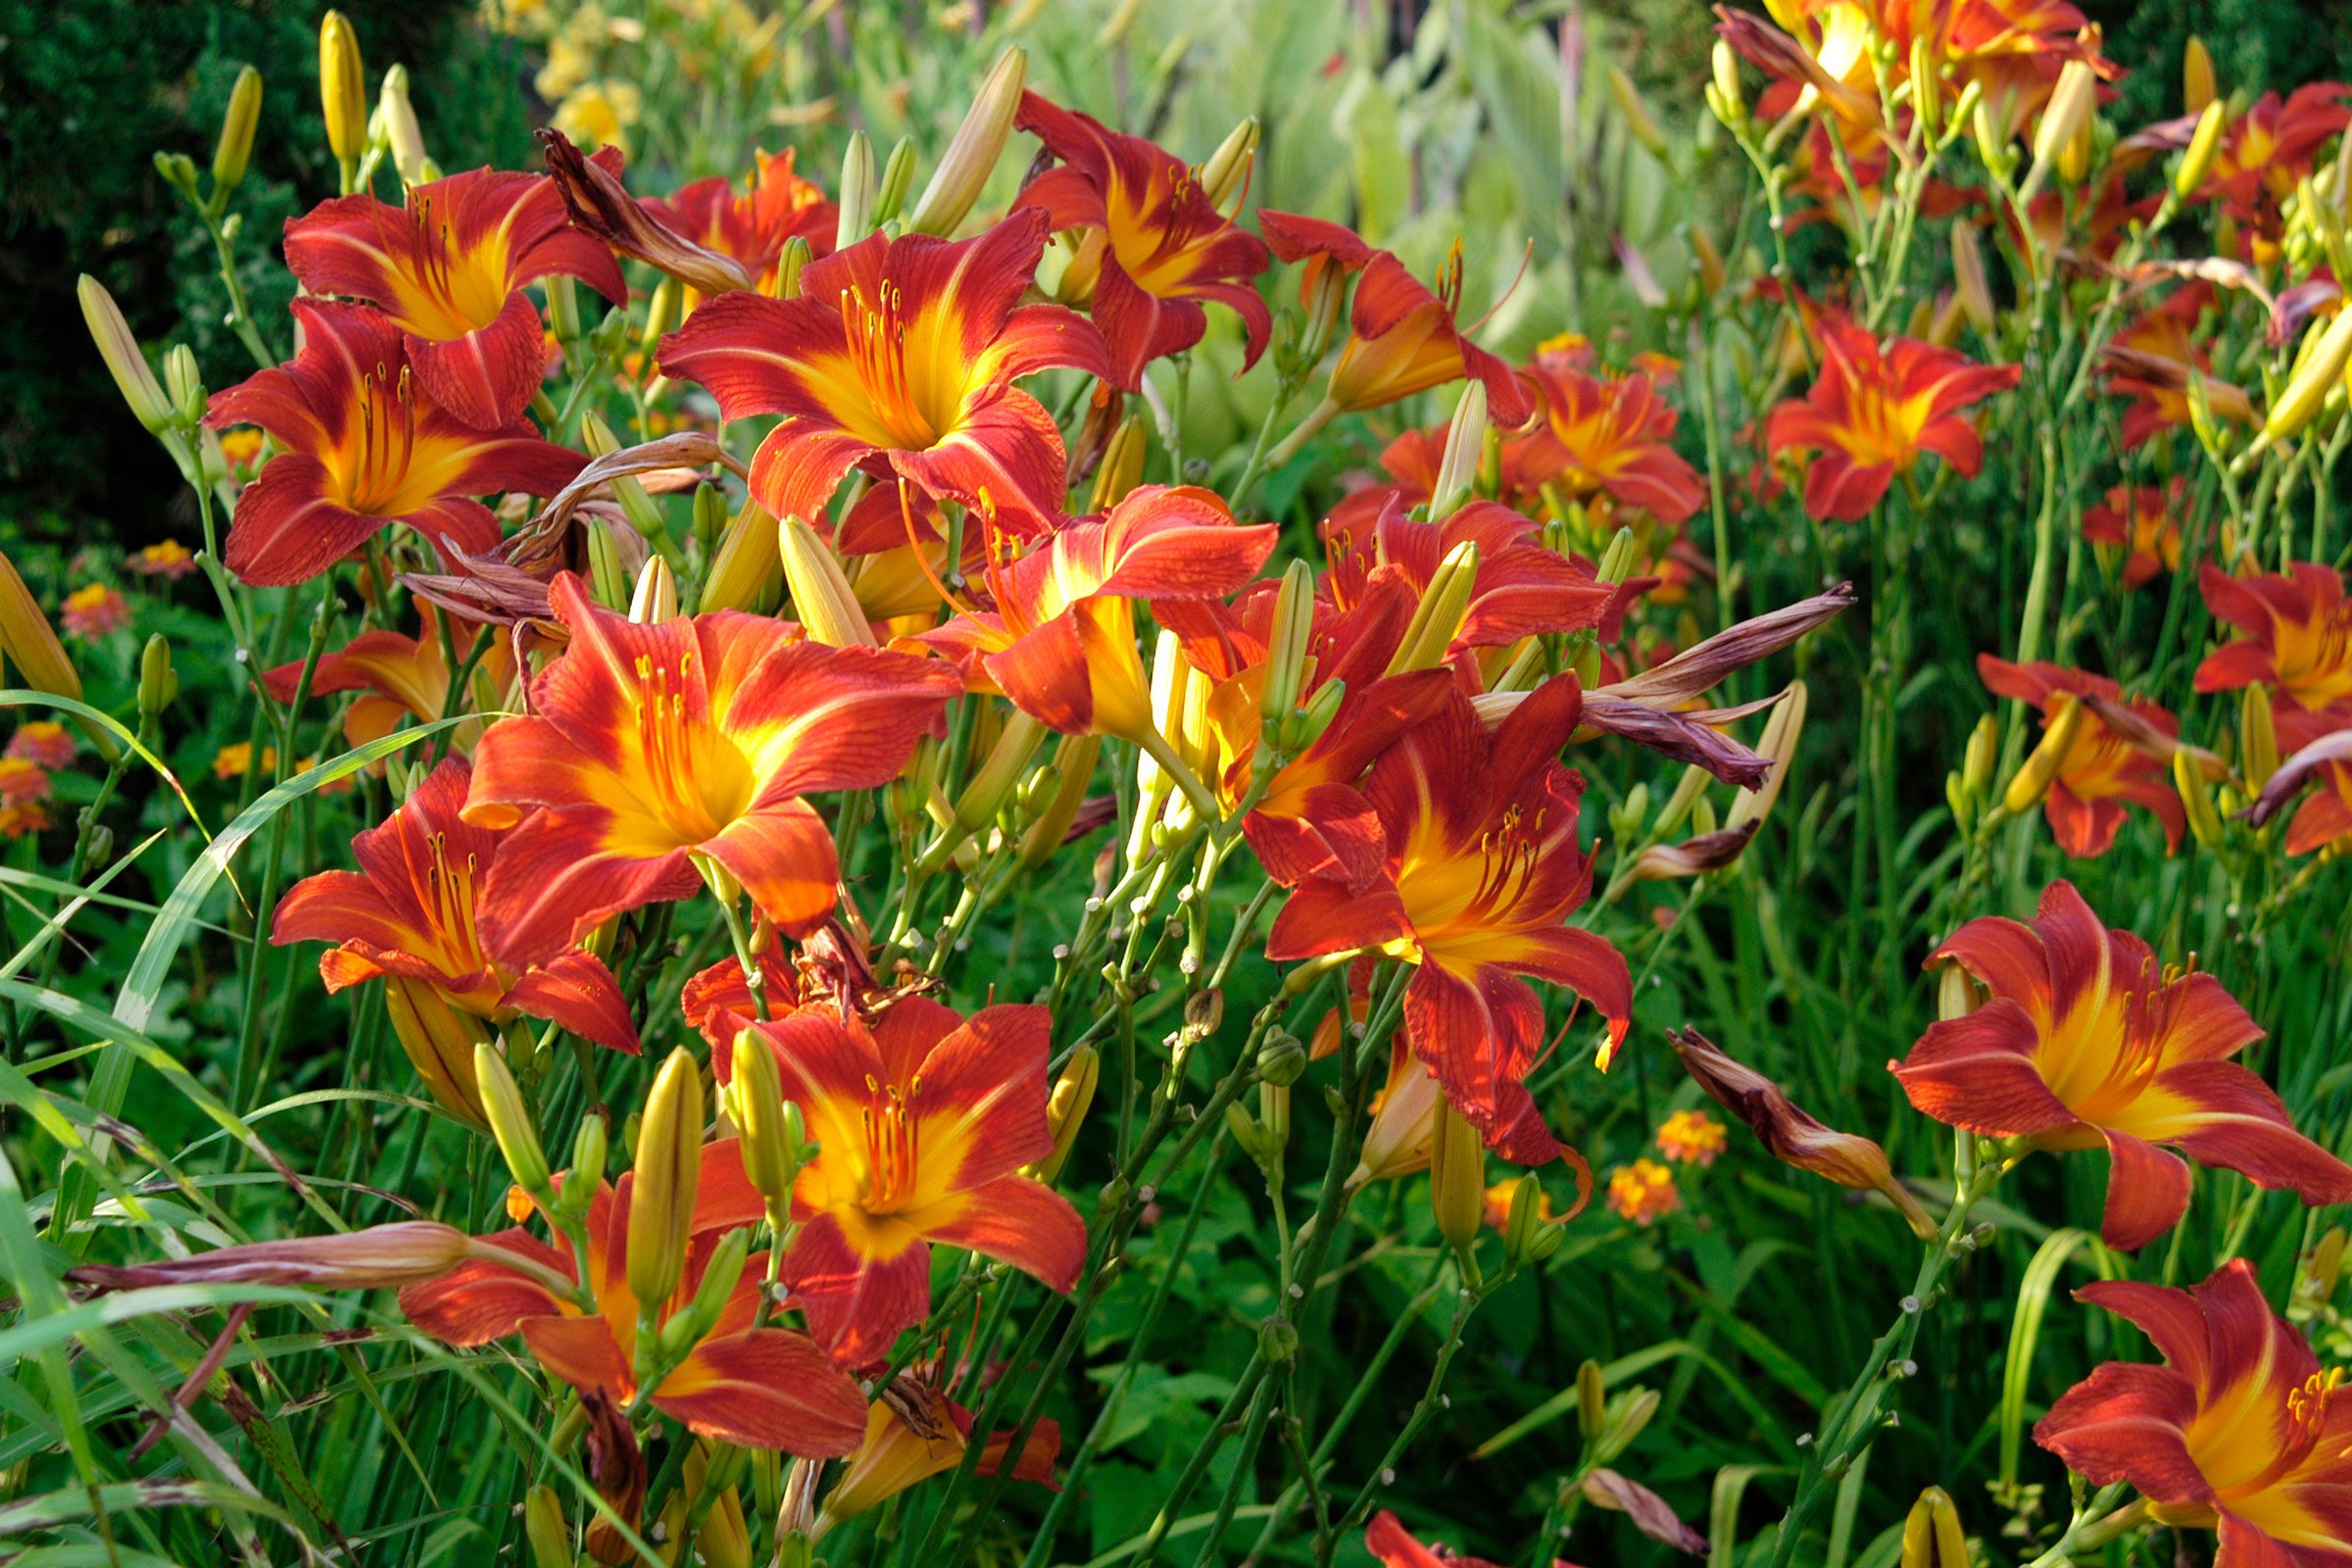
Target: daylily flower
1521,588
1403,338
914,1432
2152,359
363,445
1819,58
449,270
407,916
1386,1539
399,677
923,1123
1154,246
2085,1040
1060,638
2238,1431
899,358
650,743
2295,637
1483,867
1612,437
2105,768
758,1388
756,225
2142,522
1873,412
2264,152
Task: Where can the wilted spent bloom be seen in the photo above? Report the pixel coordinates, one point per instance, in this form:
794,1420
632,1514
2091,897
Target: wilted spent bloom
92,611
1792,1135
2086,1040
378,1255
1643,1192
1692,1138
914,1432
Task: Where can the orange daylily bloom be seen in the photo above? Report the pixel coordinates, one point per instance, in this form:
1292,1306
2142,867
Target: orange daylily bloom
398,676
1874,410
914,1432
2294,636
1388,1541
1059,638
755,1387
2152,359
2085,1040
2264,152
448,270
647,744
1521,588
2238,1431
407,916
1612,437
1154,246
1402,337
899,358
922,1121
1482,868
2143,522
365,444
2107,768
752,225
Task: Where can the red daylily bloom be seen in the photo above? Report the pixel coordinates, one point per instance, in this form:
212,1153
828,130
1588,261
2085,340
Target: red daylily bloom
1155,245
758,1388
1612,437
914,1432
2240,1431
407,916
448,270
1060,638
2143,523
364,444
1873,412
398,676
649,743
2106,767
1481,868
756,225
2085,1040
899,358
923,1123
2152,359
1403,338
2295,637
1388,1541
2266,152
1521,588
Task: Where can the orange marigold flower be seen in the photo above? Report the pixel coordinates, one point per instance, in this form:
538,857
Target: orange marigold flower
1874,410
1402,337
2086,1040
92,611
448,272
923,1123
407,917
914,1432
758,1388
44,741
2107,768
2294,636
1482,867
168,560
899,358
1612,437
1643,1192
364,444
1154,246
2238,1431
22,781
752,225
2142,521
241,445
235,759
1692,1138
647,744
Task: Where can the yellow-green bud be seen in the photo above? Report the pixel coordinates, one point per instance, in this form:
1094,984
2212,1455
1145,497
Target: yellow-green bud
342,86
1932,1534
823,600
1591,1400
860,184
2257,736
2199,84
2196,800
159,683
971,157
898,172
2198,157
234,151
124,360
1438,618
545,1529
402,134
510,1119
2033,778
1226,174
755,1103
1457,1178
669,1169
1635,112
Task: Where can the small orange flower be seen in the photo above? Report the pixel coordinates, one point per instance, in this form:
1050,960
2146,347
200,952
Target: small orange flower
44,741
752,225
2106,769
1643,1192
168,560
235,759
2142,522
241,447
92,611
1612,437
1875,410
1692,1138
22,782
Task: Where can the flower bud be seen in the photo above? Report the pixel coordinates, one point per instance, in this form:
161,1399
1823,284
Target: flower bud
670,1168
2198,86
1457,1178
1226,174
720,1275
1288,642
756,1104
797,255
179,173
655,599
1465,443
660,314
1281,1058
124,360
1305,725
2196,800
1932,1535
1526,1230
2033,778
1781,732
1067,1108
159,683
2257,735
1591,1400
342,86
510,1120
2198,158
1969,285
397,118
1438,619
898,172
747,571
1978,761
823,598
1636,113
590,1147
992,786
607,579
234,150
1956,995
183,384
1122,466
2317,373
1629,1414
971,157
859,185
2068,113
545,1529
1926,97
1728,103
1073,772
1712,274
